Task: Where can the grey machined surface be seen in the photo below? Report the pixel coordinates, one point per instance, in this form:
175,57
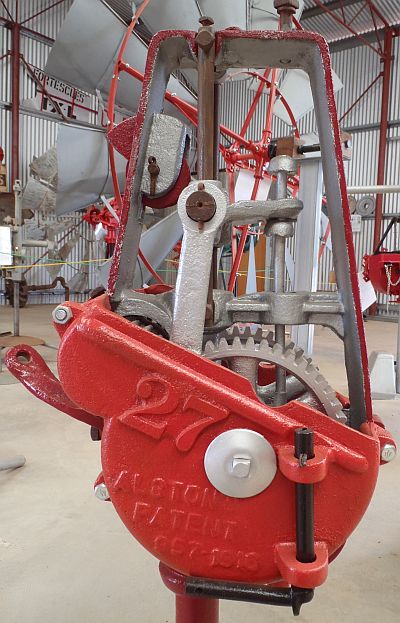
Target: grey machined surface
289,308
194,268
167,143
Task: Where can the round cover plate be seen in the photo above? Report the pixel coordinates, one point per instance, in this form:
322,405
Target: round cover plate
232,446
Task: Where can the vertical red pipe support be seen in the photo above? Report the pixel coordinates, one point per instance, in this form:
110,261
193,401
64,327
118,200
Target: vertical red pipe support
15,86
196,609
386,76
188,609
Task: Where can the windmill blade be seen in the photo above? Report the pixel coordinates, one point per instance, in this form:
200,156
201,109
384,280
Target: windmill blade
68,246
83,167
155,243
80,281
178,14
86,50
162,15
38,197
44,167
296,89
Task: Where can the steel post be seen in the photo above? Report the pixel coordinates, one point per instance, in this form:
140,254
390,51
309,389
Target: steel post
279,286
308,228
16,308
15,88
386,75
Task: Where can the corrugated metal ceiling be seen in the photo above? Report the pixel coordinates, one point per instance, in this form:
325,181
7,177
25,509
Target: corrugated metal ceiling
356,13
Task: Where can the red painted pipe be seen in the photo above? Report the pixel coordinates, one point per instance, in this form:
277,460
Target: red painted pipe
196,609
188,609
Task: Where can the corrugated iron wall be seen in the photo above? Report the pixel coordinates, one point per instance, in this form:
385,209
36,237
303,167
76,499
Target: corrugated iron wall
356,67
39,132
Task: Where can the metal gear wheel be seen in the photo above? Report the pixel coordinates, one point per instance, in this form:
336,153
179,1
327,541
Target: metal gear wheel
244,351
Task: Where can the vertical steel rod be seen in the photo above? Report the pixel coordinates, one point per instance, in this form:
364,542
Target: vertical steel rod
205,132
279,286
304,450
16,308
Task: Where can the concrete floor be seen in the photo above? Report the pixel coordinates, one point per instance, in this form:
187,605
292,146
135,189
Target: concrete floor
66,556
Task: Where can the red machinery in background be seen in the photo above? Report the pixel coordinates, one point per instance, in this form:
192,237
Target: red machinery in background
382,268
225,451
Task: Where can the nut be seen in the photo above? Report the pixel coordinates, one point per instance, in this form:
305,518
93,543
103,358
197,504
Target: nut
101,492
62,314
200,206
205,20
388,452
240,467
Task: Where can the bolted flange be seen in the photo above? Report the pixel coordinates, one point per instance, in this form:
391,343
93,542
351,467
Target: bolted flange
62,314
285,229
282,164
240,463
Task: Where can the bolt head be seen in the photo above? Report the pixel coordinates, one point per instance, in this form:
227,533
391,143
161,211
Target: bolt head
388,452
62,314
240,467
101,492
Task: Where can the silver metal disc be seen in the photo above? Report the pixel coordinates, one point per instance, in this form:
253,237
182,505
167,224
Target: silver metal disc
365,205
240,463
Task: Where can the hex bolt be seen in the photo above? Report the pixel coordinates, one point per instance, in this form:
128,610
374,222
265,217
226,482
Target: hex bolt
101,492
388,452
240,467
62,314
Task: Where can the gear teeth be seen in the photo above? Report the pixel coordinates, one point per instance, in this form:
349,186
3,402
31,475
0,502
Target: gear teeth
209,348
290,357
223,344
237,343
250,344
271,339
277,349
299,354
